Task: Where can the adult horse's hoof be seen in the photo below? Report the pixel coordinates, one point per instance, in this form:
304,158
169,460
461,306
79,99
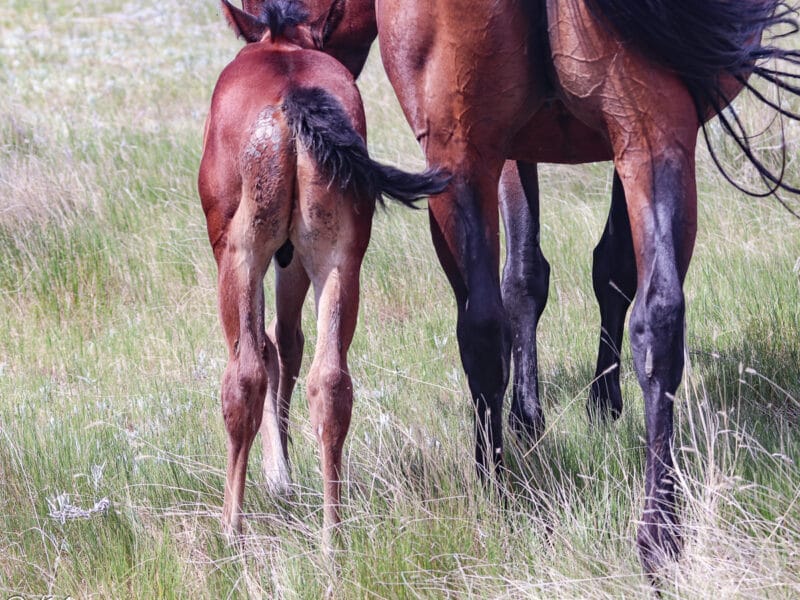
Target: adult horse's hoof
659,541
528,427
605,400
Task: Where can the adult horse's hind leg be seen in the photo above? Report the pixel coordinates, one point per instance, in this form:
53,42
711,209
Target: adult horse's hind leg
614,279
467,83
652,124
662,206
526,277
291,286
464,228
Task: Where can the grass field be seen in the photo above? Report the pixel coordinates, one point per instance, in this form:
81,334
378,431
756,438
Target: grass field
111,357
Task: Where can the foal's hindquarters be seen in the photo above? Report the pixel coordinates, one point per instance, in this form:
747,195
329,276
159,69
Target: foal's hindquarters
285,170
260,189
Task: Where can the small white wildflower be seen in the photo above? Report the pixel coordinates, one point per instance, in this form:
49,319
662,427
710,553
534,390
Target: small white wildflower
97,475
62,509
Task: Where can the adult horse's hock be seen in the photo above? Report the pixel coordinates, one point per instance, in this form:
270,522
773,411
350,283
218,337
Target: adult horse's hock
577,81
285,173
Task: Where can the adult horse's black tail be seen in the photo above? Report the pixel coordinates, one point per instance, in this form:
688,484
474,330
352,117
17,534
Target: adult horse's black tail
704,40
320,123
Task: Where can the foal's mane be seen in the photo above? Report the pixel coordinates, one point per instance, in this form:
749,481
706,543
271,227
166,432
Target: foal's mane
277,15
701,40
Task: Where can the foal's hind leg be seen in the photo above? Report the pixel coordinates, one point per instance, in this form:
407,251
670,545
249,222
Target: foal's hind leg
526,276
244,383
614,279
332,234
329,388
291,286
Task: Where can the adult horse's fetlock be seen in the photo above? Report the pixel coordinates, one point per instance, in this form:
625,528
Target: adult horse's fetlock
659,535
605,398
484,341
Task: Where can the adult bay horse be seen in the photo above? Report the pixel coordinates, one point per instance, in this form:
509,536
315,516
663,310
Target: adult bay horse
349,27
577,81
285,173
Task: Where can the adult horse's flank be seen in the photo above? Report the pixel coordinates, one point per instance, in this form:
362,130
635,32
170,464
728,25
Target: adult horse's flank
285,173
576,81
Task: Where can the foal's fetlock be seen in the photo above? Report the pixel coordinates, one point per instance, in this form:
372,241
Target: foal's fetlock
278,480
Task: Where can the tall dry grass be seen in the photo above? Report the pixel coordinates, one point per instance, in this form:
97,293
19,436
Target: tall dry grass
111,356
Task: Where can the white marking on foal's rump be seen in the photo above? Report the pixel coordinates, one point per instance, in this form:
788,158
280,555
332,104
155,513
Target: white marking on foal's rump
266,136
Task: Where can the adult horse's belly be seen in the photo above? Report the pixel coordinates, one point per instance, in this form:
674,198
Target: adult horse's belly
554,135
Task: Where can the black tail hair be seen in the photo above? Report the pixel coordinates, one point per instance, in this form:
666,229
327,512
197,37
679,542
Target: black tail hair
320,123
702,40
280,14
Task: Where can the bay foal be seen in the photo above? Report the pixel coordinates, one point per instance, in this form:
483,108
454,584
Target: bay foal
285,173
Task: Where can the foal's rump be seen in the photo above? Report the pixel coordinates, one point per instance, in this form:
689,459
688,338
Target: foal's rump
337,183
320,123
268,154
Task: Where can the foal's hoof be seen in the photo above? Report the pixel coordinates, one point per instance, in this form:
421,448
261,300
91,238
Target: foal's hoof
232,530
277,475
278,484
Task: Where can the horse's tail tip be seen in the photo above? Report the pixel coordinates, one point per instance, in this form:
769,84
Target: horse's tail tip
410,188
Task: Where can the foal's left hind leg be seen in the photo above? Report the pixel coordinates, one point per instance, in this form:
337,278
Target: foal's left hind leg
614,279
526,276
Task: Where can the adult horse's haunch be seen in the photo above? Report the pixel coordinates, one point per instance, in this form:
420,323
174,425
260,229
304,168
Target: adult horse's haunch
285,173
577,81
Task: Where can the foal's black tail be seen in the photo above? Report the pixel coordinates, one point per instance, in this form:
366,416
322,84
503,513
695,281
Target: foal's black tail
321,124
703,40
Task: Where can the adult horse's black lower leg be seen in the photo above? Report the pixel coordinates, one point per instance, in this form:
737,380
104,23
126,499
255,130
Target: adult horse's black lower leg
614,279
461,227
526,277
665,227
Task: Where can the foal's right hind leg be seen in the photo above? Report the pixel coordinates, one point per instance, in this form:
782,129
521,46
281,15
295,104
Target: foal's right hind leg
244,383
614,279
526,276
291,286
